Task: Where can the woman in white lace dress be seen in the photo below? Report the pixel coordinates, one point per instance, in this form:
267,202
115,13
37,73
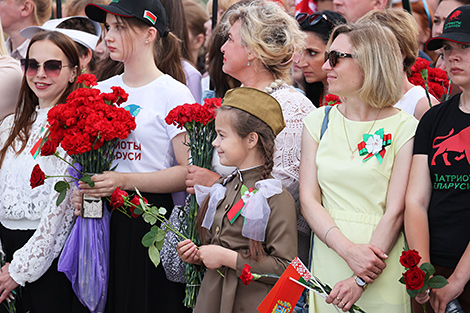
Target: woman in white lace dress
33,229
263,41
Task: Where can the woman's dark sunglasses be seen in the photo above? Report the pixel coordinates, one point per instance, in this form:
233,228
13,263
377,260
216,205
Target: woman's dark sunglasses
333,57
312,19
51,67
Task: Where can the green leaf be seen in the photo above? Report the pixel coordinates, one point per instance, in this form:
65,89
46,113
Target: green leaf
437,282
154,255
138,211
87,179
160,235
149,218
402,280
61,186
155,229
138,192
412,293
162,211
61,197
428,268
154,210
159,244
148,239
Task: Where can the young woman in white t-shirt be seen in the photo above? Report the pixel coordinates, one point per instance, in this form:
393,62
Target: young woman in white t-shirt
153,158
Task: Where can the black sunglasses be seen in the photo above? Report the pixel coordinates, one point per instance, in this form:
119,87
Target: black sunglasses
313,19
333,57
51,67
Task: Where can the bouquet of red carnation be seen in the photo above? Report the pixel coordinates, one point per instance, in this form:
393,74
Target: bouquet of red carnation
198,120
88,127
419,279
433,80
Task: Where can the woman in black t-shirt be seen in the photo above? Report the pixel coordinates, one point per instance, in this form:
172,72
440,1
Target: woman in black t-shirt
437,214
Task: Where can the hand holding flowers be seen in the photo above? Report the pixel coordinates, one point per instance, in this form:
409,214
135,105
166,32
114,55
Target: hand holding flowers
419,279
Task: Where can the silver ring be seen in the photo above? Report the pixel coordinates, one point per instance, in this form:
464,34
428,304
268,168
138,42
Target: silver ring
341,304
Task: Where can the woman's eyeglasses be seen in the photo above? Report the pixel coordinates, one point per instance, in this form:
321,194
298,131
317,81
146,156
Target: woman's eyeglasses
313,19
51,67
333,57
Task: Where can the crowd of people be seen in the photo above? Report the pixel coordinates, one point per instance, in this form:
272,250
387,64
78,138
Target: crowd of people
346,161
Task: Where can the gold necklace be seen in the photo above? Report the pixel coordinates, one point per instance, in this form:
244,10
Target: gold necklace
346,133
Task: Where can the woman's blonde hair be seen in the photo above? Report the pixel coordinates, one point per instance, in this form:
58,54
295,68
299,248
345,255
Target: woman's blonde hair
270,33
376,51
405,29
42,10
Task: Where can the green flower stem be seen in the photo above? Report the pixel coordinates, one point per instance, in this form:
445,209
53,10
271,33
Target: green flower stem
424,75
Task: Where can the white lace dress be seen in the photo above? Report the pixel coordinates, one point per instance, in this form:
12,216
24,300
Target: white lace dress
295,107
24,208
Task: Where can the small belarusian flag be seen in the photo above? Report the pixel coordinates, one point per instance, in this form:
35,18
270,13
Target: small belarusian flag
38,145
150,16
286,292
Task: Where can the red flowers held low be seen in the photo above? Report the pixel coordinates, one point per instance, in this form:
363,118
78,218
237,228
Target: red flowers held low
37,177
117,198
410,258
414,278
135,201
246,275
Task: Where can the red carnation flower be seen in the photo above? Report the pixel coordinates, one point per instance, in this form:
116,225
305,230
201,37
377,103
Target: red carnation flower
410,258
414,278
121,95
87,79
246,276
117,198
37,177
331,99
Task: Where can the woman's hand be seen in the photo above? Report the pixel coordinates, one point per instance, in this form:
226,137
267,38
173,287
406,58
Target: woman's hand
105,184
423,297
214,256
7,284
199,176
345,293
187,251
77,202
366,261
442,296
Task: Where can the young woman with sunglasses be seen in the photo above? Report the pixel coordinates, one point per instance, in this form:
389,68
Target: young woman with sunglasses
353,178
318,28
33,229
153,158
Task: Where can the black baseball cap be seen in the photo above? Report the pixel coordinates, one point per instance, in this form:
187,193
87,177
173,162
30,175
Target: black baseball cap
456,28
148,11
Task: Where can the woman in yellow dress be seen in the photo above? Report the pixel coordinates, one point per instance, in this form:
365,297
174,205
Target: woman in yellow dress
353,178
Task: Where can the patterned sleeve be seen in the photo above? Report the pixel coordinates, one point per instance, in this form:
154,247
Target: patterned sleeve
295,108
36,256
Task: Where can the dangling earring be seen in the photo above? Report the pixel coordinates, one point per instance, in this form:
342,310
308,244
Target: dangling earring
249,64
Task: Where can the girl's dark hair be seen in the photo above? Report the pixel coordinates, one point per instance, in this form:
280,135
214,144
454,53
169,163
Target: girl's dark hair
167,52
25,113
323,29
87,26
109,68
244,123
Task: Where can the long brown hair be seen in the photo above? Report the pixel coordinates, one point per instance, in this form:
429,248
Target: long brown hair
244,123
167,51
25,113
